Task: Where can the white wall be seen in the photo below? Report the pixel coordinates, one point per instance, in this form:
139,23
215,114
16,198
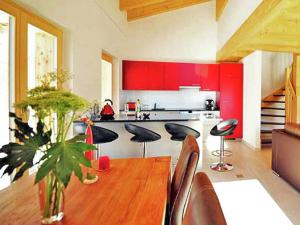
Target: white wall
273,71
252,99
234,15
188,34
186,98
89,29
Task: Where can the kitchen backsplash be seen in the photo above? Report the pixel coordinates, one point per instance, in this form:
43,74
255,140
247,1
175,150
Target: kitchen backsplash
185,98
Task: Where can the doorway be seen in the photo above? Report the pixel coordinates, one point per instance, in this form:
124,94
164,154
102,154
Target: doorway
106,77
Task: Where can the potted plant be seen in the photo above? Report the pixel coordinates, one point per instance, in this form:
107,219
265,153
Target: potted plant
61,157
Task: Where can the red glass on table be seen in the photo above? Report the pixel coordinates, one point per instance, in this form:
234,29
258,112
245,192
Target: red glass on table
104,163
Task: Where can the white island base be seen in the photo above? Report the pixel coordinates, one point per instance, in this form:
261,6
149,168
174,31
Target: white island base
123,147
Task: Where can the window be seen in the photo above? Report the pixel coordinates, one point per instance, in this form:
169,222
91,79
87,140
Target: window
29,47
7,81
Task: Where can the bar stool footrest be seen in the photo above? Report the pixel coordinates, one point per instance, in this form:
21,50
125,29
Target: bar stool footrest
227,153
221,167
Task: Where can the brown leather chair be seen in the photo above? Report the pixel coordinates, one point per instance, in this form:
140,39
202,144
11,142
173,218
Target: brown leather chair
182,179
203,207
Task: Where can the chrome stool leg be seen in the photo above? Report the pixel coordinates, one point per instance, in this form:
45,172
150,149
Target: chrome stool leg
144,150
221,166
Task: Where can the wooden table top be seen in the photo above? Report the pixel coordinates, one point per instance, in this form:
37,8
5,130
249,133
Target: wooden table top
132,192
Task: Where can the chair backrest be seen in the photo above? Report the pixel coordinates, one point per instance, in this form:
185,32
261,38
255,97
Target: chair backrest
182,179
203,207
224,128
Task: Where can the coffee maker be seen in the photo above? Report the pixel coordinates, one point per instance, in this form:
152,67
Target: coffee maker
209,104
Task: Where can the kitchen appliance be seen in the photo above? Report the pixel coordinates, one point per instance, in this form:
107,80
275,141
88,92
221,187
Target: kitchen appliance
131,106
107,111
209,104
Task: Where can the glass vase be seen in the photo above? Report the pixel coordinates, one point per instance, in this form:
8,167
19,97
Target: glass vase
51,198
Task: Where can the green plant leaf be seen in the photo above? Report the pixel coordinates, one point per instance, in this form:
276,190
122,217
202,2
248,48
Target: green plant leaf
65,158
19,156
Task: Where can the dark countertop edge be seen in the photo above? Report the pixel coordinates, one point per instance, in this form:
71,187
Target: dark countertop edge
174,110
138,121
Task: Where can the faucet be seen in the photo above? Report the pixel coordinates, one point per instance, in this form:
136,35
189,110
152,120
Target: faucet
155,106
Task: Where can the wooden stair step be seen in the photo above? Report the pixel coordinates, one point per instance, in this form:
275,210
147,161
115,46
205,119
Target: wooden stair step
266,131
272,123
273,101
275,108
272,115
279,95
266,141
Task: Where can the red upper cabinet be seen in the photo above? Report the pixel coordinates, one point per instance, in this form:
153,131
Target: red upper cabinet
155,76
171,76
209,77
188,74
135,75
231,95
139,75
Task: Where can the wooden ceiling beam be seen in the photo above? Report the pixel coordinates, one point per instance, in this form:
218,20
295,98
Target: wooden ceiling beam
273,48
220,6
264,16
165,6
279,39
133,4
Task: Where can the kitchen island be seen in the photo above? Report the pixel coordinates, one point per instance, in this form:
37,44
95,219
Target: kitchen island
124,148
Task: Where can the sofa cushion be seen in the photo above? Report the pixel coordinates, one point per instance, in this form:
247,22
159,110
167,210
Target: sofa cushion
293,128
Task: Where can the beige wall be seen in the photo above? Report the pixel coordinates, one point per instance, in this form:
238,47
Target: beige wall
188,34
273,71
252,99
234,15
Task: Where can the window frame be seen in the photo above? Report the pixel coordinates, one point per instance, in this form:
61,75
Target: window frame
23,18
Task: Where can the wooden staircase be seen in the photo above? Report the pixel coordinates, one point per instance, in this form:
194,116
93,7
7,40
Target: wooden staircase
272,115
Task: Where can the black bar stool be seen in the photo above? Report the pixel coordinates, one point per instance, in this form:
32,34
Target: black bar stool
102,135
142,135
179,132
223,129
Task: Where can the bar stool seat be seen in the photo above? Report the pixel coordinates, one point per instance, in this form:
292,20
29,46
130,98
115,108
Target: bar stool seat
142,135
179,132
223,129
102,135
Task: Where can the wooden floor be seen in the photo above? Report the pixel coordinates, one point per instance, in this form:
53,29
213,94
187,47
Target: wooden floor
250,164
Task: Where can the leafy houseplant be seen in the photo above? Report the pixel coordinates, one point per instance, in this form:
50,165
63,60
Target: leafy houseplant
61,157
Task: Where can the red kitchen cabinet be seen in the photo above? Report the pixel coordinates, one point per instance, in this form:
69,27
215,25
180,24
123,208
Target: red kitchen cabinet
135,75
171,76
139,75
189,75
231,95
209,77
155,76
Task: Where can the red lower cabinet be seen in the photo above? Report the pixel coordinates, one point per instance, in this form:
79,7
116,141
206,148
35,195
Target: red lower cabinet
231,95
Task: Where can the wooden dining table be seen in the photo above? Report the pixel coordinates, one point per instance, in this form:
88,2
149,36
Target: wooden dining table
131,192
